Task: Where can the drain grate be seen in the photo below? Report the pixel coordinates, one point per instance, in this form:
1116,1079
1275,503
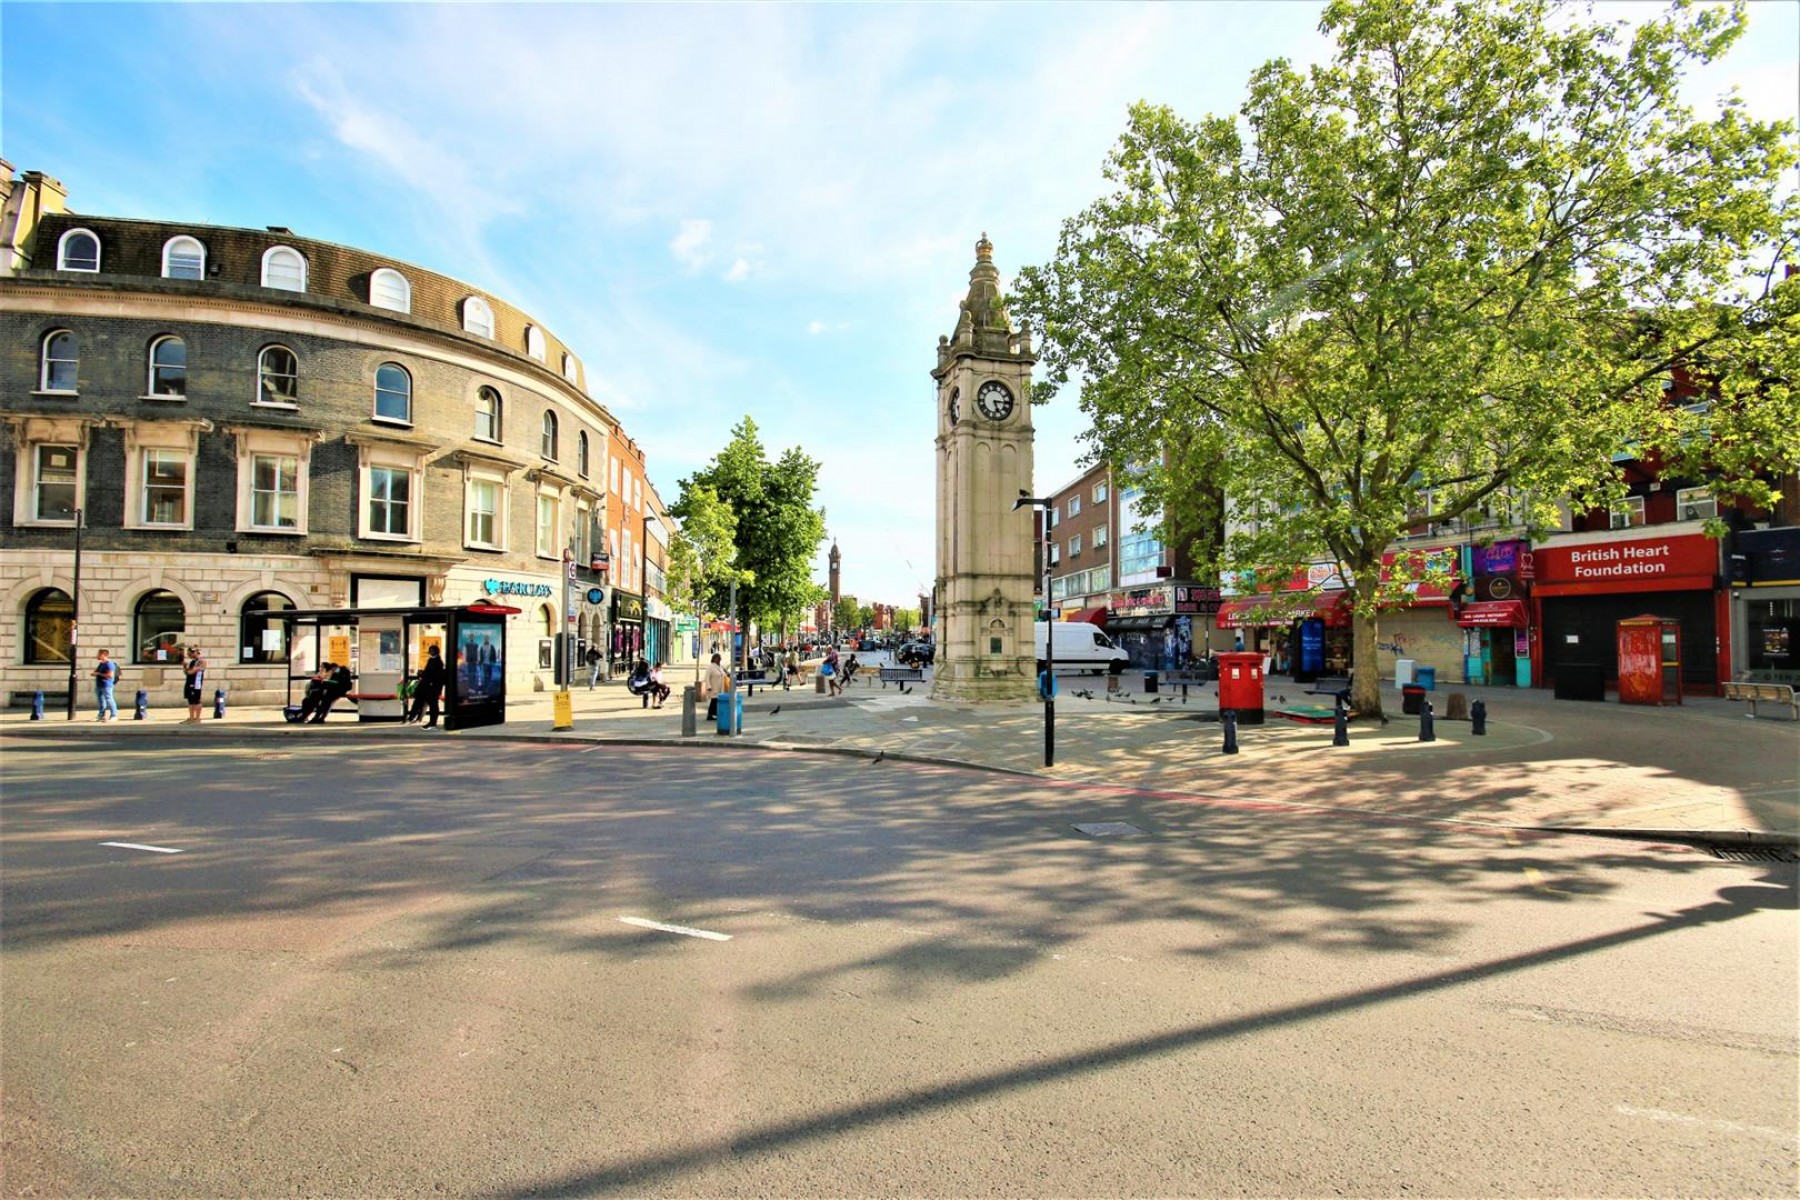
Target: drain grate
1757,854
1108,829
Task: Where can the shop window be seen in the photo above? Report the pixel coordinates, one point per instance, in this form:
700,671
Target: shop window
277,377
183,258
49,618
159,628
78,250
488,413
546,624
168,367
59,362
261,639
284,268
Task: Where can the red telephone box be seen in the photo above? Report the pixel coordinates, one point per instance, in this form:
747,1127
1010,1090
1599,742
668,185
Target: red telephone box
1649,660
1241,685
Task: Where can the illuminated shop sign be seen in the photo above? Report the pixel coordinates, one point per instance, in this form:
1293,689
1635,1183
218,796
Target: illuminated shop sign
509,587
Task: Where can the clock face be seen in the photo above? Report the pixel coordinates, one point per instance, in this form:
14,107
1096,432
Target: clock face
955,405
994,401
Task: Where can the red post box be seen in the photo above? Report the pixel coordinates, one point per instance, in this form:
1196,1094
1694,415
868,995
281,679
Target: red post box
1241,685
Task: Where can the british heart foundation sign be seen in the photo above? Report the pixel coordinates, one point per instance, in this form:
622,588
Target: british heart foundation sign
1656,563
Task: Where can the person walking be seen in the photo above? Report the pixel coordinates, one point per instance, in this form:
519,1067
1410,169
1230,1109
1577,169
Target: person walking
718,682
592,659
195,671
830,671
106,677
432,678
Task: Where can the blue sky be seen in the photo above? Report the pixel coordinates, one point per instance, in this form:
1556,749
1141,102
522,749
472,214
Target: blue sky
726,210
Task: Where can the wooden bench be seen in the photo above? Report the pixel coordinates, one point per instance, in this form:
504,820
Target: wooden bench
902,675
1766,693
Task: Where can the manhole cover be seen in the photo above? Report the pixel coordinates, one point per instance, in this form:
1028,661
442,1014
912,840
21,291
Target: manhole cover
1108,829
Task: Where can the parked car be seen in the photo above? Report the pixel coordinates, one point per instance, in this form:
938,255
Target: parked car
916,654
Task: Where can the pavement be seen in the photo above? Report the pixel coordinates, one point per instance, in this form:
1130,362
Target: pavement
1705,767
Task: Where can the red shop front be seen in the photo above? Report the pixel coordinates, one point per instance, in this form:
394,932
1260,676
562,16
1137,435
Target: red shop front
1584,590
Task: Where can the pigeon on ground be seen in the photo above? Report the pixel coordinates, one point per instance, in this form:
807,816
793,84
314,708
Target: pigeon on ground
879,755
775,710
1158,700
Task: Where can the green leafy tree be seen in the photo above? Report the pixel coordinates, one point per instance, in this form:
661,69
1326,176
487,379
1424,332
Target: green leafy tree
846,615
778,529
1450,270
702,563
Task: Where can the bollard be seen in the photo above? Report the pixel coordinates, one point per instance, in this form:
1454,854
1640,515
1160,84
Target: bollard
689,724
1228,719
141,706
1478,718
1427,732
1340,723
218,704
37,705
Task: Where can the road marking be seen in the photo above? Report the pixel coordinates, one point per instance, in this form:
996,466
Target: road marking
683,930
1658,1114
136,846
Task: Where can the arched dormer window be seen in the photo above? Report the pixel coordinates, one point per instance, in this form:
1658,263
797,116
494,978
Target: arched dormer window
284,267
534,342
183,258
78,250
388,289
549,446
571,369
477,316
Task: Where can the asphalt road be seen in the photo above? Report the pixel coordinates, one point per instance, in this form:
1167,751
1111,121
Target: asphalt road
407,969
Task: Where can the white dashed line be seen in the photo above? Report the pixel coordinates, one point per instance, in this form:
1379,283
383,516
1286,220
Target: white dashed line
1658,1114
136,846
683,930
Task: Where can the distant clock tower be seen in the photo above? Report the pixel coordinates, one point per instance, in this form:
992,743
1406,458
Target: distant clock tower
837,561
985,569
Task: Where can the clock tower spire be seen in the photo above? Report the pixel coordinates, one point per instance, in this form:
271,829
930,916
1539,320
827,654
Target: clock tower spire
986,574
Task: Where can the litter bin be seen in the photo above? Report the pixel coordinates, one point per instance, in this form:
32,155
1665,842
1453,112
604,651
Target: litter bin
1403,671
1151,682
729,703
1412,700
1426,677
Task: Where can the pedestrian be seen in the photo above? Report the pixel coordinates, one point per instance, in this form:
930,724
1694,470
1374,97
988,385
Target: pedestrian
106,676
195,671
658,689
830,671
592,659
432,678
718,682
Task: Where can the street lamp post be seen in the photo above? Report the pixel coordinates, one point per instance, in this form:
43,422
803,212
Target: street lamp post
1046,685
75,616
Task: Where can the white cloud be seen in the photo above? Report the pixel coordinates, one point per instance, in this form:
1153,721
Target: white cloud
815,328
740,271
689,246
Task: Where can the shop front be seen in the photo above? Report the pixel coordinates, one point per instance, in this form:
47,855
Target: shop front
627,643
1583,589
1163,627
1765,605
1306,633
657,617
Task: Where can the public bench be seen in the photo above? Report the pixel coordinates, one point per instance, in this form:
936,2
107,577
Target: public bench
751,679
1331,685
1765,693
902,675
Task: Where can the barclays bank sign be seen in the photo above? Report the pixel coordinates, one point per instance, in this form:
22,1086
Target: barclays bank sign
508,587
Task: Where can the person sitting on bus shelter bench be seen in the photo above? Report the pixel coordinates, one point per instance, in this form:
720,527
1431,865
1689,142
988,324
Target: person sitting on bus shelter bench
336,688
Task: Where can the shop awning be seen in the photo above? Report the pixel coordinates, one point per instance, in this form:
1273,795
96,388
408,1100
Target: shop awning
1487,614
1275,610
1093,616
1149,624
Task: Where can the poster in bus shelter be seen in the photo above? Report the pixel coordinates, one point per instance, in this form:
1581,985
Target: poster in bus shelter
481,662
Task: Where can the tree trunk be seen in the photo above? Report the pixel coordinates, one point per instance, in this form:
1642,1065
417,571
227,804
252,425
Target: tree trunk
1365,664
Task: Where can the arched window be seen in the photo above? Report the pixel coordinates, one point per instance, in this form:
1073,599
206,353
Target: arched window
261,639
283,267
388,289
488,413
61,357
571,371
393,393
78,250
48,617
581,453
168,367
184,258
158,628
534,342
477,316
549,446
277,376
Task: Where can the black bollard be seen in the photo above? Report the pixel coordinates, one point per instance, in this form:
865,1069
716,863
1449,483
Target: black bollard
37,705
1340,723
218,704
142,705
1478,718
1228,719
1427,732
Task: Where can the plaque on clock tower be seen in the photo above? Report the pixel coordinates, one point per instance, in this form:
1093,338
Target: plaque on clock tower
986,574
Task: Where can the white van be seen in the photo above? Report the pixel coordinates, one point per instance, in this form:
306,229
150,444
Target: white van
1081,647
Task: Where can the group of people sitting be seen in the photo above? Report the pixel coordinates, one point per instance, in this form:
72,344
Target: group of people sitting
647,681
329,684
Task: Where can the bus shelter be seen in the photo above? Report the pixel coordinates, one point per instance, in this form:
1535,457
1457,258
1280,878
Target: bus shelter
386,648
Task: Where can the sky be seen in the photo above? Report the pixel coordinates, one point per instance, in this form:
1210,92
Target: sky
763,210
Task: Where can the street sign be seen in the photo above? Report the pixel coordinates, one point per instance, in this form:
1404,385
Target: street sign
596,595
569,567
600,561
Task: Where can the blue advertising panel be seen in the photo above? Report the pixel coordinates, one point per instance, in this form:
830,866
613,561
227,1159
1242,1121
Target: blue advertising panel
1312,646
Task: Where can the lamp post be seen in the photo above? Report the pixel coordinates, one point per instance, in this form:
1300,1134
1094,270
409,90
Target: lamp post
75,616
1047,685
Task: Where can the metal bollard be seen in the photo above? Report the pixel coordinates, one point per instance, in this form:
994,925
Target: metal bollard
218,704
689,725
1228,719
37,705
141,706
1478,718
1427,731
1340,723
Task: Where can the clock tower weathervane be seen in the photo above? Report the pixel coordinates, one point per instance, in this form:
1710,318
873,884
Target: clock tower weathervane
985,570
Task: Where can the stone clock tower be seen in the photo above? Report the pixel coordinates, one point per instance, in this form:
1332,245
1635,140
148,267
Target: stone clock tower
986,652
